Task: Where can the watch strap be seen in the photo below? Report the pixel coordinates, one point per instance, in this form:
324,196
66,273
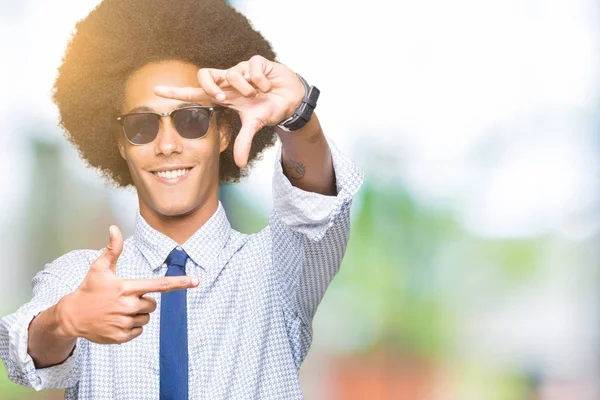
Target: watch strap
304,111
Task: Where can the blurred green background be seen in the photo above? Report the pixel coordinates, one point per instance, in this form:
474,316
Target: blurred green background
472,268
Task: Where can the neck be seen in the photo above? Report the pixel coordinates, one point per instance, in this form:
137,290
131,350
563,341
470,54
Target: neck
180,227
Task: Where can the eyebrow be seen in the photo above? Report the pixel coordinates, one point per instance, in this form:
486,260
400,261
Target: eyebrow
150,109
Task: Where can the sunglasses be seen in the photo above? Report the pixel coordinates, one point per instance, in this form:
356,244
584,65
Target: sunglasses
190,122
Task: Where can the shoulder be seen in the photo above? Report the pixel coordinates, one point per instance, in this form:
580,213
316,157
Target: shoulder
74,259
249,246
237,242
258,239
275,238
70,268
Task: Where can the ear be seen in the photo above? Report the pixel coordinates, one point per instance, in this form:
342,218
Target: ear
121,147
224,136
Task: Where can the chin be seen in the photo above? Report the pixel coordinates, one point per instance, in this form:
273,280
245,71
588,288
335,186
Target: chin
174,203
178,209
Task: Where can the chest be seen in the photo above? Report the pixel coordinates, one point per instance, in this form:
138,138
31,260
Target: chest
235,326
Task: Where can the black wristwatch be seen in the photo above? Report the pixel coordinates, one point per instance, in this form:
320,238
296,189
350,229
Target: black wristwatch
304,111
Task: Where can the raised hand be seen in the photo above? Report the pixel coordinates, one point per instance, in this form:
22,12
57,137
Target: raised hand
263,92
106,309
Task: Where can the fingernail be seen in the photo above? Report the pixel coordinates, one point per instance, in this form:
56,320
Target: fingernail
220,96
110,231
195,281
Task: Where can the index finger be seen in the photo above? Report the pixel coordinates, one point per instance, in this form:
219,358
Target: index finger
210,79
159,285
188,94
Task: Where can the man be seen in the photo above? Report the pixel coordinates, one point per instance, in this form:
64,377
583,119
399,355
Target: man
174,98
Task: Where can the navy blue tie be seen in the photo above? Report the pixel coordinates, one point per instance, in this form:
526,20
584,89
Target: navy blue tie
174,335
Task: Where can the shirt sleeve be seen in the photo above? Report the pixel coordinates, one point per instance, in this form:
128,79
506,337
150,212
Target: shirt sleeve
48,289
309,234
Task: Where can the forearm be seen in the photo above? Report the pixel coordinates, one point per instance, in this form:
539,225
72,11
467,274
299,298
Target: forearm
306,159
48,344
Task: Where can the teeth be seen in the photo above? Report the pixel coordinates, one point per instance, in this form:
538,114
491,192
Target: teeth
172,174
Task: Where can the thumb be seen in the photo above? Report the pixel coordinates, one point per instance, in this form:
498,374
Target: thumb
243,142
114,248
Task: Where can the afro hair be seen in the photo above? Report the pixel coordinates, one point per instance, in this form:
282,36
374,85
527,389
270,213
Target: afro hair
119,37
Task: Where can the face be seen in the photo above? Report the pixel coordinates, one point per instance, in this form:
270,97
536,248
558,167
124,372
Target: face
173,176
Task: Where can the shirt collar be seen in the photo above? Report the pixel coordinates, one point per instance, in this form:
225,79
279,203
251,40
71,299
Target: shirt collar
203,247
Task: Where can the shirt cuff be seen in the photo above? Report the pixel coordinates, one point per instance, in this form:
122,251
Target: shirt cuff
24,367
312,214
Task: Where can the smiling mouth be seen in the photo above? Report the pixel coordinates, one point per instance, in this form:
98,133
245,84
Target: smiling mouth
172,175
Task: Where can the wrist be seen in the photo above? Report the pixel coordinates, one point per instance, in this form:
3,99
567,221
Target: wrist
304,108
299,93
310,133
64,327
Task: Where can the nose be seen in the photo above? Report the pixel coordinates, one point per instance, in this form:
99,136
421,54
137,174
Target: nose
168,140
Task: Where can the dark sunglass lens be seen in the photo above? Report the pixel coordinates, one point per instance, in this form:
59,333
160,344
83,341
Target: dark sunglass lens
141,128
191,123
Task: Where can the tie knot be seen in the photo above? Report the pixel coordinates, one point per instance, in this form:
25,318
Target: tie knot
178,258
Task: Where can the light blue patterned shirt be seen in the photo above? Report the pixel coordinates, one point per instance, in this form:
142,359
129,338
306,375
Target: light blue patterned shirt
249,320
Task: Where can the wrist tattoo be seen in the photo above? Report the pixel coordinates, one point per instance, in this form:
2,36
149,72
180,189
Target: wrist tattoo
294,169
